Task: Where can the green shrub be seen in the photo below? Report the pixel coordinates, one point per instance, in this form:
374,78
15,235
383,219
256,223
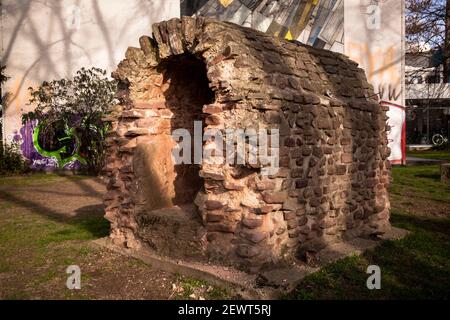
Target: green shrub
11,159
74,109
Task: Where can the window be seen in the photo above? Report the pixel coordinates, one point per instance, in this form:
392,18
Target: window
433,78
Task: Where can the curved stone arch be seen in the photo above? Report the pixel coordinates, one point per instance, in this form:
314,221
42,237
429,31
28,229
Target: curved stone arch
332,135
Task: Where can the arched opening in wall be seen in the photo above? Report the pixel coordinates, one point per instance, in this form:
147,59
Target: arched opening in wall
187,92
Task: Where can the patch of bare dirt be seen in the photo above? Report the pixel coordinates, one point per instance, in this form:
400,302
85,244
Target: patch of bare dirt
39,272
109,275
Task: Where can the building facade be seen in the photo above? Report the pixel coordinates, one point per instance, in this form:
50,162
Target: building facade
427,100
46,40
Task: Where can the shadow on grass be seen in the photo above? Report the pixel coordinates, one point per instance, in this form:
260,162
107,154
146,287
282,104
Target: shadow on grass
39,178
413,223
88,218
85,187
416,267
432,176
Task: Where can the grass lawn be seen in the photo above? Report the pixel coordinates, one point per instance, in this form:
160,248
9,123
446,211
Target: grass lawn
41,234
416,267
437,155
37,178
48,222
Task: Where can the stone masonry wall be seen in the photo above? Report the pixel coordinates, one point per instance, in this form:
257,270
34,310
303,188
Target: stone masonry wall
334,173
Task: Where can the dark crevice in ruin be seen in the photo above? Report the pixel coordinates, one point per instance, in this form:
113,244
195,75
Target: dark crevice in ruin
185,97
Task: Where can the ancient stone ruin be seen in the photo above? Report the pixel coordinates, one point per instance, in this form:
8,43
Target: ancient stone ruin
333,177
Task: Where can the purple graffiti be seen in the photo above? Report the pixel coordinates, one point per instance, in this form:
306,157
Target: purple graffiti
37,161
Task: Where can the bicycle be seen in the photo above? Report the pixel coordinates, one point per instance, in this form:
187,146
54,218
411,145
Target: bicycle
439,139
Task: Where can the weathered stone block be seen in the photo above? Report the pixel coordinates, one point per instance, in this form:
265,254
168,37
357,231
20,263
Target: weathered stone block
252,223
247,251
274,197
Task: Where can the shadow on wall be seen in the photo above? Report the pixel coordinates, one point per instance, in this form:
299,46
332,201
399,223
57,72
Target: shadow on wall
181,84
35,23
359,154
187,93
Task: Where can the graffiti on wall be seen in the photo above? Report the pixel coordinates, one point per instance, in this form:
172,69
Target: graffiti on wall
382,68
374,40
60,149
319,23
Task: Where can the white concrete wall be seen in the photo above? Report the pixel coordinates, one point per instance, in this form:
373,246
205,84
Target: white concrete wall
50,39
374,37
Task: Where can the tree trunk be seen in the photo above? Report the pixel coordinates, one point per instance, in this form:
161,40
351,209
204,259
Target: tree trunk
445,173
446,53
